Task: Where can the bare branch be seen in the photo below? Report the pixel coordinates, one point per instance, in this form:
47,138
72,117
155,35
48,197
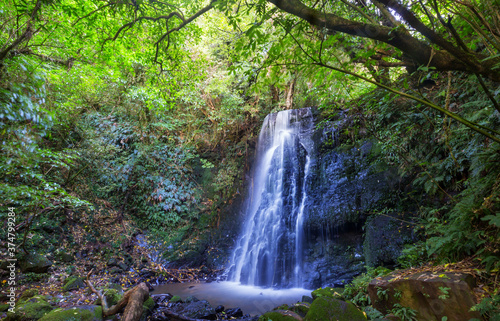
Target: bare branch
26,35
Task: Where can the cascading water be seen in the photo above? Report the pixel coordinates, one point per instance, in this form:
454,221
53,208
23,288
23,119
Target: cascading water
270,249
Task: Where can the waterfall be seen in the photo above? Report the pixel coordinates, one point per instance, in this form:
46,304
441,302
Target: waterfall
269,251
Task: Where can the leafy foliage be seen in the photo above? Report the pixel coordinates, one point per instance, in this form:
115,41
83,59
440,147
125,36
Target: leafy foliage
357,290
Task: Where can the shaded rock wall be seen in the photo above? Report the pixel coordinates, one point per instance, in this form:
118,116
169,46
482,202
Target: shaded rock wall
346,185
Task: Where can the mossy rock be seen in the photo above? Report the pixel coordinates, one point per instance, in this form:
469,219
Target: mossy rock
300,308
175,299
64,257
147,308
328,309
325,292
280,315
80,313
73,283
112,297
35,263
32,309
27,294
282,307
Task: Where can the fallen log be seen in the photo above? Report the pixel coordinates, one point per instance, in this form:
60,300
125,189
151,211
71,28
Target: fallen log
132,301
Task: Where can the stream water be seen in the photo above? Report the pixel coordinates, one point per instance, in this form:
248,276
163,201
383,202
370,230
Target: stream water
251,299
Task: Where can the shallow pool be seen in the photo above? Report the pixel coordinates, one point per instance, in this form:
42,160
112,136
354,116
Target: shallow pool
251,299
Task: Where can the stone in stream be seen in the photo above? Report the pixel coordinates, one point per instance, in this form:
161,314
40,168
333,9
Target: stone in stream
234,313
195,310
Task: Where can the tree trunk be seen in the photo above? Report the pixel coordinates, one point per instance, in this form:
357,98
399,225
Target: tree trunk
275,95
132,301
289,94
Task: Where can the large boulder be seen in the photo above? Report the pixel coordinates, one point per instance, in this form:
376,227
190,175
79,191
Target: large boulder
280,315
432,295
329,309
195,310
31,309
79,313
35,263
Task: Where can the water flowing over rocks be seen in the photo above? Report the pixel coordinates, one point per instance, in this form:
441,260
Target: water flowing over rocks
307,203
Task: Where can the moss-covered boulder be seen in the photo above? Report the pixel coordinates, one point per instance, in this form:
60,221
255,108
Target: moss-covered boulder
79,313
147,308
300,308
432,295
35,263
325,292
27,294
280,315
175,299
31,309
64,256
112,297
328,309
73,282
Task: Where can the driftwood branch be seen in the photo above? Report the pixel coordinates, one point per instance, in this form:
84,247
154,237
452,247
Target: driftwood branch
132,301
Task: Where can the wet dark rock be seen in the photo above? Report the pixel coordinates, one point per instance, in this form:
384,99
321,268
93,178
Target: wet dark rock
190,299
112,262
234,313
307,299
196,310
150,286
115,270
164,298
123,266
219,309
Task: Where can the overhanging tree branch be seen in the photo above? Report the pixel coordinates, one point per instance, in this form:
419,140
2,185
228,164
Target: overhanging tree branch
449,58
475,127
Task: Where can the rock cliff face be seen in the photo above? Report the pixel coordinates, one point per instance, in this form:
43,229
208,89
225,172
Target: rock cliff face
345,185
